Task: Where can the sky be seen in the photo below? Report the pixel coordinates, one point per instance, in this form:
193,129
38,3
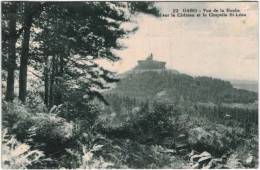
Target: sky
225,48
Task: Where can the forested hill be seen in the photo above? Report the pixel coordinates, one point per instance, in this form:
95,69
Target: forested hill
167,85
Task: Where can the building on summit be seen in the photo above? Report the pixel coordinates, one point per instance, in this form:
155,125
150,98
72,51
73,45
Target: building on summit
150,64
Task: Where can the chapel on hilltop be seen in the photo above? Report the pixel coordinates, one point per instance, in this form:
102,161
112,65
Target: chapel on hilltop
150,64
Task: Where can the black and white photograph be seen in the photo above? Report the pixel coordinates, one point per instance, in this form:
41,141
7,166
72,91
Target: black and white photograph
129,84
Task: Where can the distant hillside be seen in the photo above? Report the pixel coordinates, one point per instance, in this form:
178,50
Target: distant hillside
169,85
246,85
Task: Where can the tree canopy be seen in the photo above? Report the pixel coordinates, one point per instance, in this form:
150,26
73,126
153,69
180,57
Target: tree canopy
62,40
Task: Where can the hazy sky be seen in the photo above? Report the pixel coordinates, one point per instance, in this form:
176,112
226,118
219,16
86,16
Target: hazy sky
219,47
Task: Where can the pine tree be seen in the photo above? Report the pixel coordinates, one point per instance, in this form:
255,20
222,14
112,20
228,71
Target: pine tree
9,39
73,36
62,40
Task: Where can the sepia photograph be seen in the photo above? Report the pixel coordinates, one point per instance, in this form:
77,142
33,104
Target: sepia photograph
129,84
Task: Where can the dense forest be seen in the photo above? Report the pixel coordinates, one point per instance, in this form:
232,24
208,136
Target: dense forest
166,84
59,109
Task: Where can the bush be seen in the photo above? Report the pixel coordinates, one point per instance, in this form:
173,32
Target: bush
88,152
152,121
16,155
46,131
50,129
16,118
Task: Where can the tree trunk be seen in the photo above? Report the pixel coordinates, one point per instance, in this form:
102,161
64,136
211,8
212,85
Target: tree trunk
11,52
52,81
25,53
59,82
46,82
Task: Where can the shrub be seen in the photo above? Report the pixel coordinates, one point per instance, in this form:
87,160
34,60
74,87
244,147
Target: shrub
86,156
46,131
162,158
90,162
16,118
16,155
49,128
153,120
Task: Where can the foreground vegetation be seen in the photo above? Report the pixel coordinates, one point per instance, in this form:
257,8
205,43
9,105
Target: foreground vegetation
155,135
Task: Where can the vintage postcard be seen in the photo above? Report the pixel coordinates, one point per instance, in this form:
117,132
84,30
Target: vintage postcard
129,85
